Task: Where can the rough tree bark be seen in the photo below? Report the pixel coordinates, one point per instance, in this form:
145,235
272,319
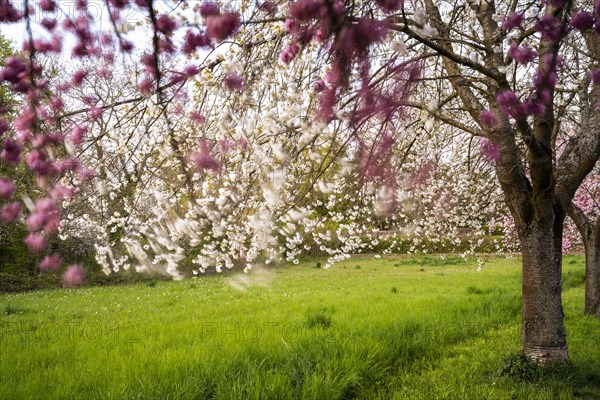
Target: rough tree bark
543,335
590,233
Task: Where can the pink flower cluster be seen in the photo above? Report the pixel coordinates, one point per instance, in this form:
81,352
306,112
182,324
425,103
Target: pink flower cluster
50,263
73,276
16,72
488,119
222,26
521,54
45,216
204,159
490,150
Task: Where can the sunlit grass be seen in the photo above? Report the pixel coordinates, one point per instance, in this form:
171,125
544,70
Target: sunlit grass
365,328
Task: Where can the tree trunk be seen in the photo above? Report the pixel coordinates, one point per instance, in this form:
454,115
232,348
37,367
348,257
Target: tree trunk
592,271
543,336
590,233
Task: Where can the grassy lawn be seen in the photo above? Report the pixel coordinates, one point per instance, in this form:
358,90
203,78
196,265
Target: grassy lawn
389,328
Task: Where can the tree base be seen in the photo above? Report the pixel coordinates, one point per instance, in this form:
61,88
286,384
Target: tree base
544,355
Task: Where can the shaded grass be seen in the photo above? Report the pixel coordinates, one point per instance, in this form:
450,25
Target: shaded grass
308,333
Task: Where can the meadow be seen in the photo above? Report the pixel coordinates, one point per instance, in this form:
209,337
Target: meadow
388,328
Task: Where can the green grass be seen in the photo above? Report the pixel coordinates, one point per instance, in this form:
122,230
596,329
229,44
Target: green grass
391,329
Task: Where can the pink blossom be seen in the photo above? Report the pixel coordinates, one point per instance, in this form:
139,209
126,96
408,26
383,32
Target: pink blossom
35,242
233,81
333,76
291,25
225,145
166,46
550,27
49,23
39,161
289,53
118,4
197,117
191,70
48,5
544,81
73,276
146,86
208,8
268,7
521,54
490,150
512,21
7,188
243,143
166,24
390,5
10,212
204,159
8,12
126,46
149,63
76,136
57,103
81,5
45,216
59,192
11,152
354,40
86,174
319,86
192,41
535,107
50,263
304,10
78,77
488,119
15,70
338,10
374,160
68,164
95,113
320,35
327,99
63,87
510,103
222,26
582,21
104,73
25,121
